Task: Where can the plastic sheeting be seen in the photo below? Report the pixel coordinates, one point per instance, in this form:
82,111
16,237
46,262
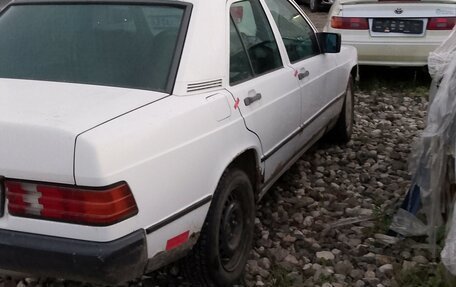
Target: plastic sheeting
407,224
432,162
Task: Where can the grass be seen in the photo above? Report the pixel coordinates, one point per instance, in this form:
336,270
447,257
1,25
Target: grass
432,275
381,224
383,220
324,279
279,277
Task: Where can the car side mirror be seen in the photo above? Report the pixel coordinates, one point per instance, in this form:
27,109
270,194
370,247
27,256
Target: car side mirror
329,42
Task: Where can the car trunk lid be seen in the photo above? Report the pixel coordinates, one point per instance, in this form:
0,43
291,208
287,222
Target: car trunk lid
39,122
403,19
403,9
348,2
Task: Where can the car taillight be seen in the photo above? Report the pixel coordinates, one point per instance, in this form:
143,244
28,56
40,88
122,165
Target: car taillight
353,23
81,205
441,23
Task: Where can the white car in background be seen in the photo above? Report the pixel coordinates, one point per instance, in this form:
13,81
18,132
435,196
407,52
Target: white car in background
133,133
392,33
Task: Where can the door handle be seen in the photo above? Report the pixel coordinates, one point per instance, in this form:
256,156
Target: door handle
303,75
249,100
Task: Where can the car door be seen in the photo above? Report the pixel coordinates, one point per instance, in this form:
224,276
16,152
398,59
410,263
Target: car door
316,72
267,91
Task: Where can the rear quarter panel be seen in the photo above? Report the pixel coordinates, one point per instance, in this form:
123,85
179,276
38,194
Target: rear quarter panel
171,154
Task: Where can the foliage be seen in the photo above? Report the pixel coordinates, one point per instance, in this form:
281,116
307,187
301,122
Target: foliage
431,275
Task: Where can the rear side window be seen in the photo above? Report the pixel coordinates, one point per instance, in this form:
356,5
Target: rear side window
255,36
297,34
129,46
240,69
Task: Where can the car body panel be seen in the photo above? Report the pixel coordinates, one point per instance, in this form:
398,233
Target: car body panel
347,2
157,150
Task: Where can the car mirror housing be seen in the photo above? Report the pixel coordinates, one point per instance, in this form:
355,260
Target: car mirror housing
329,42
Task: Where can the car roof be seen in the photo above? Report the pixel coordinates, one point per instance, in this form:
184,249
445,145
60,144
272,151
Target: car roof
5,2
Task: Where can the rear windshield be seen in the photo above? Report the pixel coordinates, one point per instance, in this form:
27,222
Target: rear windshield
129,46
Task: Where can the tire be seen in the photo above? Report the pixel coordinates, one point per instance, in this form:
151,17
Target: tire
342,131
314,5
220,255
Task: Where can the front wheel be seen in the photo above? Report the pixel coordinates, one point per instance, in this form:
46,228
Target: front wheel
220,256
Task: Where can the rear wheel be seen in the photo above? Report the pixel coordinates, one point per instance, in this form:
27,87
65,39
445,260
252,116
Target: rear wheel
342,131
220,256
314,5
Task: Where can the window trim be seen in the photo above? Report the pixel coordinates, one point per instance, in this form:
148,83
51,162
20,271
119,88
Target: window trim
254,75
252,72
311,26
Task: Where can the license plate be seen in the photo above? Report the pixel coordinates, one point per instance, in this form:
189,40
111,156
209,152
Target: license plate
2,196
404,26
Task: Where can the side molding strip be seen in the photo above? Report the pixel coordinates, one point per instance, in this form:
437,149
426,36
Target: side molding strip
300,128
180,214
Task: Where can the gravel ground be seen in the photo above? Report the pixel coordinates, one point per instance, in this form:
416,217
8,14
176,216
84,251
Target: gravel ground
324,223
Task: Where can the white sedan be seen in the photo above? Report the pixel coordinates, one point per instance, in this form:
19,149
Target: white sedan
134,133
392,33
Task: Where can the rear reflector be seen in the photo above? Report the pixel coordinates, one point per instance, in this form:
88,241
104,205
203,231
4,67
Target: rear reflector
73,204
441,23
353,23
177,241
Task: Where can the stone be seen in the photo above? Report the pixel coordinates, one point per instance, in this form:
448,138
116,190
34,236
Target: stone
387,269
365,212
382,259
420,259
278,253
264,263
343,267
291,259
325,255
308,221
406,254
298,217
356,274
369,274
316,266
407,265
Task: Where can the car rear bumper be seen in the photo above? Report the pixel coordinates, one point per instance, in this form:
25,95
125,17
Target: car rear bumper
393,54
111,263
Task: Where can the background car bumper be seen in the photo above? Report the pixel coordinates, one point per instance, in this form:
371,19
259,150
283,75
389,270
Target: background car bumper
112,262
393,54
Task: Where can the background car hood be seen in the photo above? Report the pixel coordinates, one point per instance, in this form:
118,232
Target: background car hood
394,2
39,123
